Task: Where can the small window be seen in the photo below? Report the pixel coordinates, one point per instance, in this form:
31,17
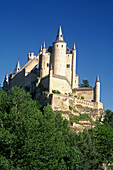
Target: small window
61,45
68,65
57,45
48,64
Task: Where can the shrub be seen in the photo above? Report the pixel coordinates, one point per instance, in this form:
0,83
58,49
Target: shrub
76,119
70,94
70,107
56,91
65,93
75,96
82,97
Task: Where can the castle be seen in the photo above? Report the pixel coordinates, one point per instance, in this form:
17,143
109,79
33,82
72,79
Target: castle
54,68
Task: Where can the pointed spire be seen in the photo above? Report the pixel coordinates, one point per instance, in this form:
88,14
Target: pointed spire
44,44
6,78
41,47
17,68
59,36
74,48
97,78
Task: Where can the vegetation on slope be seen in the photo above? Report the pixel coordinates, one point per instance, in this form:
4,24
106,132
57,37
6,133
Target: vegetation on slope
32,137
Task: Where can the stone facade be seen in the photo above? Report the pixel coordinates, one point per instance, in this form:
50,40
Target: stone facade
54,68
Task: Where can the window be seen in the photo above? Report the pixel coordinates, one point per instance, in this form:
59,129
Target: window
48,64
61,45
68,65
57,45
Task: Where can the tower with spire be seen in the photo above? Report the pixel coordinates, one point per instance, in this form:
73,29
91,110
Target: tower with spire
59,54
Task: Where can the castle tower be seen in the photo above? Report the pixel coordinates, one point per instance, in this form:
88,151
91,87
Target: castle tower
43,59
59,54
50,79
17,68
6,80
6,83
73,66
97,90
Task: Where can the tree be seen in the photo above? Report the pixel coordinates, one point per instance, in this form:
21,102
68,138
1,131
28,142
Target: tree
87,147
104,143
108,119
33,139
85,83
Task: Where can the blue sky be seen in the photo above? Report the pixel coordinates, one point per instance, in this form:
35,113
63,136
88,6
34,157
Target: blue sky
25,24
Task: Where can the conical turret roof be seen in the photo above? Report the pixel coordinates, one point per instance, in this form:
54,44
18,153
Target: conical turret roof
74,48
6,78
17,68
41,47
59,36
97,78
44,44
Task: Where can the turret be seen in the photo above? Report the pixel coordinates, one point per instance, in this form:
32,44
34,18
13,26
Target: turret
40,51
6,83
17,68
43,59
59,54
73,65
97,90
6,79
43,49
50,79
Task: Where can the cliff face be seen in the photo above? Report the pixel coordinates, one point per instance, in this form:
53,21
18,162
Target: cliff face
78,116
83,117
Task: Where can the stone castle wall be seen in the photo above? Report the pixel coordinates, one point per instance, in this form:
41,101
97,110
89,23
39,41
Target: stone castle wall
88,93
62,102
61,84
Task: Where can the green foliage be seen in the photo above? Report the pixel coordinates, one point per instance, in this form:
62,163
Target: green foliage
70,94
85,83
81,117
87,147
75,96
108,119
104,143
56,91
70,107
34,139
82,97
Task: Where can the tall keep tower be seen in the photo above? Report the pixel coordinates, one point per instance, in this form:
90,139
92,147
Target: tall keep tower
59,54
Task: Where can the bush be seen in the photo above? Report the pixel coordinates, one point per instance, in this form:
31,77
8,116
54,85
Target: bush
56,91
70,107
75,96
81,117
70,94
82,97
